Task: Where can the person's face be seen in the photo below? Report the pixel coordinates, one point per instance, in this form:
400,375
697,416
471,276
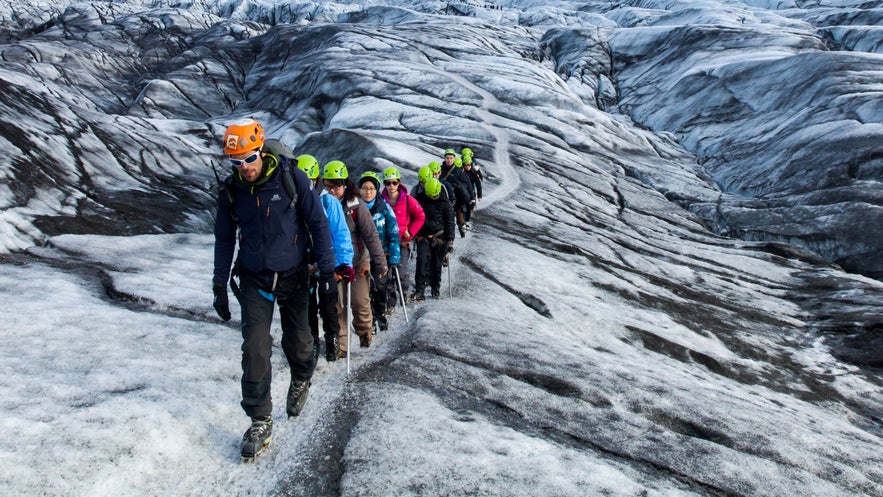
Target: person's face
369,191
335,190
449,159
392,186
249,164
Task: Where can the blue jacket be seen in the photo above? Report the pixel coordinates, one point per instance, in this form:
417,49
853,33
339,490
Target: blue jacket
341,241
387,227
273,236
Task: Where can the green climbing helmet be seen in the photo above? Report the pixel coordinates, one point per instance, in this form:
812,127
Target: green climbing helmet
450,151
391,172
309,165
335,170
458,162
435,167
432,188
370,176
466,152
424,174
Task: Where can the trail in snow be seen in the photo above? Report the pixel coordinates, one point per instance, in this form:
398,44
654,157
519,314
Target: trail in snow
509,179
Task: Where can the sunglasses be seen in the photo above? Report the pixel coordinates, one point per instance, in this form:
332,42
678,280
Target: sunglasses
393,183
248,160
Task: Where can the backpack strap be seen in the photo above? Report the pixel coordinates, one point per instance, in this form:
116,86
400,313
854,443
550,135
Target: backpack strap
227,187
288,184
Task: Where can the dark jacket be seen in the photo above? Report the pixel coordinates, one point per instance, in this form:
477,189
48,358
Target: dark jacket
448,191
463,192
273,235
475,178
439,217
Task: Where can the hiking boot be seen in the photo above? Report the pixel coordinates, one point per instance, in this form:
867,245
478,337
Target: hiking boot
331,348
436,294
417,297
297,397
390,310
462,230
382,323
365,340
342,354
256,438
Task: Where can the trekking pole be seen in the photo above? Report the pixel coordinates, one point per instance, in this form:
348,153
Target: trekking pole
349,301
450,289
402,294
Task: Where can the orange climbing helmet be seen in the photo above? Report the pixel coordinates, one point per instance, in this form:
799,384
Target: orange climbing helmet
243,136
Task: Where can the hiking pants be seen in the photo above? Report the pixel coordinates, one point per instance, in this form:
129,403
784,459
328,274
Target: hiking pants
326,309
380,292
360,302
292,296
429,265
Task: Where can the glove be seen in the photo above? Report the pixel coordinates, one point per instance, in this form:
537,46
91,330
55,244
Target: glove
327,286
345,273
221,303
450,246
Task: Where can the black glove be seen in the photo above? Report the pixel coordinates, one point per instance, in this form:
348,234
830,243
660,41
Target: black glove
450,246
222,304
328,285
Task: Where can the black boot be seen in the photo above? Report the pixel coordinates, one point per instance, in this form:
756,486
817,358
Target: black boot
297,397
256,438
332,348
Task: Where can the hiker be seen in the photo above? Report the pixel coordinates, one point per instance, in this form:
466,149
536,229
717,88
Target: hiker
388,230
269,202
409,216
343,254
475,178
462,188
434,241
423,174
447,190
367,251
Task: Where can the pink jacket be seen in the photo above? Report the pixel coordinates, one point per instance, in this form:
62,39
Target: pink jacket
408,212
